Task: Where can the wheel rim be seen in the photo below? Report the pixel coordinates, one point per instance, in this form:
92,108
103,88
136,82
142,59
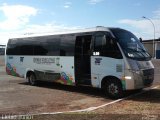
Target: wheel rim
32,79
113,89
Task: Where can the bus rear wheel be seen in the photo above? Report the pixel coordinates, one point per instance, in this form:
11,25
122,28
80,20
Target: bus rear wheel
32,79
113,88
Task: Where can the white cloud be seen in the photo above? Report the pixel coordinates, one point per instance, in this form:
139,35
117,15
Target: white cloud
67,5
48,28
143,27
156,14
142,24
17,22
93,2
36,29
4,38
16,16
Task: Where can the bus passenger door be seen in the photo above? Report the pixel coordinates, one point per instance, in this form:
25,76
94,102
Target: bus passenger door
82,60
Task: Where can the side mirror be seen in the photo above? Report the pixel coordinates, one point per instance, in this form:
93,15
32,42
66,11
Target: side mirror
140,39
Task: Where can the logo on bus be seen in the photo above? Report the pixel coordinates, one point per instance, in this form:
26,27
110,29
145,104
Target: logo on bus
98,61
21,59
64,76
9,67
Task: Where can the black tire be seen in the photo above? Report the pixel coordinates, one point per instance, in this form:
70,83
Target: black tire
32,79
113,88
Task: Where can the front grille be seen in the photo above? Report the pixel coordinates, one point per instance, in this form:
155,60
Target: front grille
148,77
148,72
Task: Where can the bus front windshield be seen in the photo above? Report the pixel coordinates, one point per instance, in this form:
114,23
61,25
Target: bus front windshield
131,45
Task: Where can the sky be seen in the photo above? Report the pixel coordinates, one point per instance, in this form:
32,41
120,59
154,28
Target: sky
23,17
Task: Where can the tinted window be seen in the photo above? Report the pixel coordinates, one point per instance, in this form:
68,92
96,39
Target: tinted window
106,46
13,48
47,46
26,50
99,43
23,47
52,45
131,45
67,45
111,48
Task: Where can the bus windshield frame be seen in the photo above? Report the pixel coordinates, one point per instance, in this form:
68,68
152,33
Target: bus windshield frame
131,45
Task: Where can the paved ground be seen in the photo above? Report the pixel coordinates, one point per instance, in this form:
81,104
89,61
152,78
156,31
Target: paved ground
17,97
16,94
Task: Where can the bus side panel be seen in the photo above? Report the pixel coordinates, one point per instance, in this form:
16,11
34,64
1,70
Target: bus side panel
19,66
41,63
105,66
67,70
62,65
13,66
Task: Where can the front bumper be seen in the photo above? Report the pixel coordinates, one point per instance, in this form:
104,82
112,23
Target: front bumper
148,77
144,79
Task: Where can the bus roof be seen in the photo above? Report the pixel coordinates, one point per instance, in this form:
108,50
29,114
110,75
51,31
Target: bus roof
97,28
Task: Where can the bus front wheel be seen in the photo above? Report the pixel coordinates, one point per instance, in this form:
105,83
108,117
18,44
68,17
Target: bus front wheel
113,88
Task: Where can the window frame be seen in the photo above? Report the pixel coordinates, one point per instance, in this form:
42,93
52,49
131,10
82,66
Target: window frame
115,53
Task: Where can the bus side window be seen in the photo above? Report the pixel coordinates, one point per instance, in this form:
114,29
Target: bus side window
111,48
99,43
46,46
13,48
105,45
67,45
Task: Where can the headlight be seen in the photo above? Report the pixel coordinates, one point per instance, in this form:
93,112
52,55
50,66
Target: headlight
128,77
